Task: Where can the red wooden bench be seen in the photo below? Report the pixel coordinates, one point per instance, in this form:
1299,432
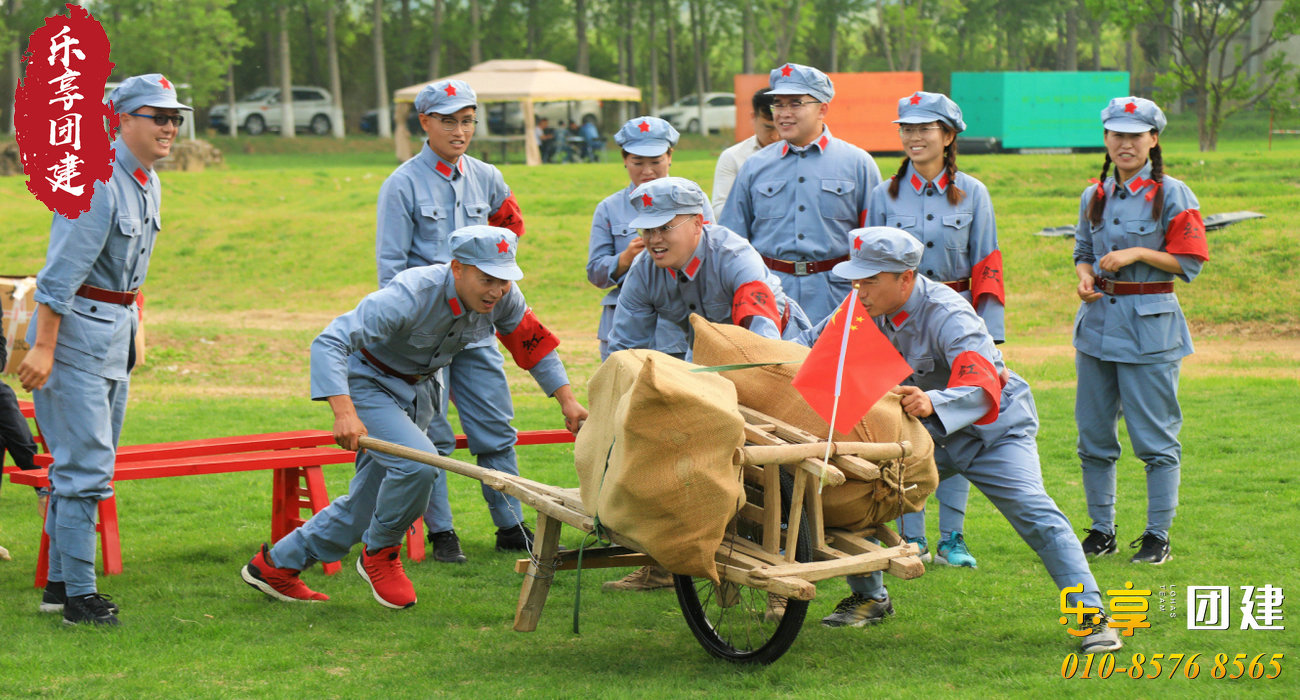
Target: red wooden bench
295,459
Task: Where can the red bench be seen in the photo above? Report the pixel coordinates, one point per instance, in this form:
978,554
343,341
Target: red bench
295,459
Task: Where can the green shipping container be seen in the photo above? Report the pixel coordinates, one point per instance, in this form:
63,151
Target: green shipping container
1037,110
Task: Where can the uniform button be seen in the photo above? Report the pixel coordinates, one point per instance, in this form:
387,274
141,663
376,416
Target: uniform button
929,217
1123,196
929,191
801,178
802,153
929,273
1117,222
801,236
1112,300
93,309
692,307
135,279
1114,247
929,244
800,207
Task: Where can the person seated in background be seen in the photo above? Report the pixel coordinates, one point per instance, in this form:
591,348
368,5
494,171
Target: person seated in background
592,143
545,137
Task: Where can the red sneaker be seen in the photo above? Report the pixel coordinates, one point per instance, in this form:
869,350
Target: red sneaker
281,584
382,569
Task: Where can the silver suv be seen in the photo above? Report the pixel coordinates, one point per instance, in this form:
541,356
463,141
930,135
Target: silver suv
259,111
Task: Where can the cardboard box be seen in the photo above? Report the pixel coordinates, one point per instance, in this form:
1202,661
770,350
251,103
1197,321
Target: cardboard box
16,301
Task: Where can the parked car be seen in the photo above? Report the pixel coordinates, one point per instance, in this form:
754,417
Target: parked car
719,112
508,117
259,111
370,121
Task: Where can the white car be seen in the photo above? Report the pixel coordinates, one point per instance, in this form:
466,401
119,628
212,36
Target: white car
719,112
259,111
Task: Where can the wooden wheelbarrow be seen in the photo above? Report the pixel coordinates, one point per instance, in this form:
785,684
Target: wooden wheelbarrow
775,550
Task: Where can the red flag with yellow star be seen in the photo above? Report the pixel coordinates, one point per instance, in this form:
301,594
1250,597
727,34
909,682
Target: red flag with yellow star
849,368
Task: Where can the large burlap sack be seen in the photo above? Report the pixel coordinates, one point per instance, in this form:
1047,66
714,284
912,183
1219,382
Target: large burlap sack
654,458
854,504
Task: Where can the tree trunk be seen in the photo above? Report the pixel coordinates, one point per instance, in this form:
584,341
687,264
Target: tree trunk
747,32
622,19
673,88
532,29
833,41
336,81
385,125
404,57
704,54
652,48
475,44
630,39
697,42
882,30
232,126
287,129
313,61
580,33
435,42
15,71
918,37
1072,38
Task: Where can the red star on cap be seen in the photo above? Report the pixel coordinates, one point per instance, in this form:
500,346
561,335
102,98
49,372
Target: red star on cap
857,243
644,127
503,247
1131,107
786,70
647,200
916,98
450,89
163,82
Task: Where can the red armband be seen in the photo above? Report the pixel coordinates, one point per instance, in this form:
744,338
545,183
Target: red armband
973,369
862,218
529,342
986,278
754,299
1186,235
509,216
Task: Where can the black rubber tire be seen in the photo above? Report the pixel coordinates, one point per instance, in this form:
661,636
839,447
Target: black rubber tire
693,126
255,125
727,632
320,125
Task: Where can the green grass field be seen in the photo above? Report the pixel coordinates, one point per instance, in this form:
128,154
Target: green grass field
255,258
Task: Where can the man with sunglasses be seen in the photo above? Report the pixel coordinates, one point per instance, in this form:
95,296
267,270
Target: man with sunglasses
439,191
798,198
83,339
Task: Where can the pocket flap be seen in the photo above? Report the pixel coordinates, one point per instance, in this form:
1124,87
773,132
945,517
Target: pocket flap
1151,308
959,220
770,188
838,186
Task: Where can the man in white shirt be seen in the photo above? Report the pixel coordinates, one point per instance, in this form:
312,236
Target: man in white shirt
731,159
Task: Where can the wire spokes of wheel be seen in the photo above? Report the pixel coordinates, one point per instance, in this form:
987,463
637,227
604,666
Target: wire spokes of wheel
739,623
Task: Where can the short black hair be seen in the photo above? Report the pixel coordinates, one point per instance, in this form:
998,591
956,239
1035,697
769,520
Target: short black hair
762,103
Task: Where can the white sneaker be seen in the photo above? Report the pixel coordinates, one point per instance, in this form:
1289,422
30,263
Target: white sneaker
1101,638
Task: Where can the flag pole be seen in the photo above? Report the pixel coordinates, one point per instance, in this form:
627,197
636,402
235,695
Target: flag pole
839,379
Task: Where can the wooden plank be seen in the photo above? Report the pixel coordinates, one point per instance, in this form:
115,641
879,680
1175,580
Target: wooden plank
831,568
596,558
541,571
771,508
212,464
783,586
796,515
907,565
817,467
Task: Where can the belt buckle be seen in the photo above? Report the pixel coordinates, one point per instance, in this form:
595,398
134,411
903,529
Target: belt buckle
801,268
1106,285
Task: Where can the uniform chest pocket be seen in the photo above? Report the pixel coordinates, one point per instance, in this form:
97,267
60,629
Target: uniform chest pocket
476,213
1139,229
907,223
956,231
625,232
122,245
718,311
922,367
837,201
768,201
432,221
1158,326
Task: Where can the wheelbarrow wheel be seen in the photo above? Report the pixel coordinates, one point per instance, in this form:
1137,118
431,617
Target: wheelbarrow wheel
732,621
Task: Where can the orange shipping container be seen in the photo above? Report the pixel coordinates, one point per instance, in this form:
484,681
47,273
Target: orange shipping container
862,113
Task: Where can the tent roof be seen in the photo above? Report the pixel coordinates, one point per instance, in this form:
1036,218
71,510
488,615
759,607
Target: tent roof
508,80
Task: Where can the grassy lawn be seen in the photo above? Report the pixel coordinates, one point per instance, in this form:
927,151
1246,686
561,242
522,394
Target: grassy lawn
256,257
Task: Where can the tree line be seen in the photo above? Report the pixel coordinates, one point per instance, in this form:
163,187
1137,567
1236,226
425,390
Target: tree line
361,50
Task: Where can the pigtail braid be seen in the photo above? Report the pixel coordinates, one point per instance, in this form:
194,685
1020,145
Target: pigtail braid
1098,204
1158,175
897,179
955,193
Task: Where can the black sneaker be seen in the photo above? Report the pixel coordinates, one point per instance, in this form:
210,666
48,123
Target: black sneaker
1098,543
55,597
94,608
516,538
1154,549
858,610
446,547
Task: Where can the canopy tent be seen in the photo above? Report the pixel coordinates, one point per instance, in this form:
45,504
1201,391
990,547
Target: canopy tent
516,80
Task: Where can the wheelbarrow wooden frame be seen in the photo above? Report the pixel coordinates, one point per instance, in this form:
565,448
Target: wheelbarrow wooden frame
767,563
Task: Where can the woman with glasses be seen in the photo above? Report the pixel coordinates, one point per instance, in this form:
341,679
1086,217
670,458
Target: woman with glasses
949,212
1138,230
647,144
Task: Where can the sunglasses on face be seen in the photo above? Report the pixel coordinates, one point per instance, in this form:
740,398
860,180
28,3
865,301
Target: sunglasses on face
161,119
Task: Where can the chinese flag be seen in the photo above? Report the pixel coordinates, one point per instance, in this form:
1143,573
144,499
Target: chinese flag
859,371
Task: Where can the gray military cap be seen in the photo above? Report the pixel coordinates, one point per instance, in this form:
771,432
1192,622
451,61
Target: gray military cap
1133,115
148,90
658,201
796,79
926,107
445,97
489,248
647,136
878,249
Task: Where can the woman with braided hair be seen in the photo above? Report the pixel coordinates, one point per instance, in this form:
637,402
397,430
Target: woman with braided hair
949,212
1138,230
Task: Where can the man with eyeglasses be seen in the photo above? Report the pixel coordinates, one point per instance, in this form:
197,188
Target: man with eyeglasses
797,199
692,267
83,339
439,191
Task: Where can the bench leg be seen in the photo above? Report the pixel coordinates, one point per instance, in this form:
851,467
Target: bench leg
537,580
289,496
109,541
415,540
43,560
317,500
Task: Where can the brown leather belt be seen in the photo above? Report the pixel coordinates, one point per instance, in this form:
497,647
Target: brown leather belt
408,378
958,286
800,268
1113,288
107,296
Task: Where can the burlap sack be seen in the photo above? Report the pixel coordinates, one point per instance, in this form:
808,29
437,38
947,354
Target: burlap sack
855,504
654,458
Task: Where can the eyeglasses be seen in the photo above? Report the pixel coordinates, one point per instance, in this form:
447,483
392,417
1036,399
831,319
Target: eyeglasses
161,119
451,124
661,231
792,106
918,130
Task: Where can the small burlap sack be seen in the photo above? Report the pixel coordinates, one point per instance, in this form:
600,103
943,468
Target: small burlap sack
654,459
854,504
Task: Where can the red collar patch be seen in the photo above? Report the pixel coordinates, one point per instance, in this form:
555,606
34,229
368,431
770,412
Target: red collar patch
692,268
821,142
899,319
141,177
443,169
454,303
942,182
785,147
917,183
